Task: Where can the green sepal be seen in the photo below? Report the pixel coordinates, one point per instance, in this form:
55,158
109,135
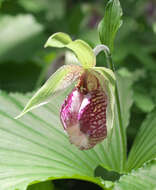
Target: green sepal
58,39
81,49
59,81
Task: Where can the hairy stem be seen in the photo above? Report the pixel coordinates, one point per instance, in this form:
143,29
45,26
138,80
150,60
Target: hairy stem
110,65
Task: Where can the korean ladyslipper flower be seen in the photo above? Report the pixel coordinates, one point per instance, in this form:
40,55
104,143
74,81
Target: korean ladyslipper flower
87,113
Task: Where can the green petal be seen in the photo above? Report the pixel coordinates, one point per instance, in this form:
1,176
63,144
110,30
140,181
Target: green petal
59,40
81,49
60,80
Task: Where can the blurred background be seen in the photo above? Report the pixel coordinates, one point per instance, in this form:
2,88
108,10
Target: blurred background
25,25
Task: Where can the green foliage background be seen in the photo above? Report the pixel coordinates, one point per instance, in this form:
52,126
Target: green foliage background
25,25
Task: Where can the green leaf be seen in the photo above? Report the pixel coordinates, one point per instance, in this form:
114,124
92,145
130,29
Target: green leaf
110,23
125,81
17,42
142,178
47,185
144,147
124,84
59,81
82,50
35,147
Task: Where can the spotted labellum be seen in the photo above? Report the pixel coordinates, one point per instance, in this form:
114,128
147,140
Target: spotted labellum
87,113
83,113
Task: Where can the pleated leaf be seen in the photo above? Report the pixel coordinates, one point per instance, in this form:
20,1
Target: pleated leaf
144,147
59,81
35,147
81,49
124,83
142,178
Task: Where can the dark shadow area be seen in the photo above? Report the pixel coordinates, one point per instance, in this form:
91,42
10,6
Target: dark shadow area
73,184
18,77
105,174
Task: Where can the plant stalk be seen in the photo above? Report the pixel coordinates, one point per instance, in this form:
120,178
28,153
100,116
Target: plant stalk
110,65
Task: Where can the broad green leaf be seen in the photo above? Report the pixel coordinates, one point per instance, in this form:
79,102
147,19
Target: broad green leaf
110,23
81,49
21,37
144,147
124,84
47,185
35,147
142,178
125,80
59,81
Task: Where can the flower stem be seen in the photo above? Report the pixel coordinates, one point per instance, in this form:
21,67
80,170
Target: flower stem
110,65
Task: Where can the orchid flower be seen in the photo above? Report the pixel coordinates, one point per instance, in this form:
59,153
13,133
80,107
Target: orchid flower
87,113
